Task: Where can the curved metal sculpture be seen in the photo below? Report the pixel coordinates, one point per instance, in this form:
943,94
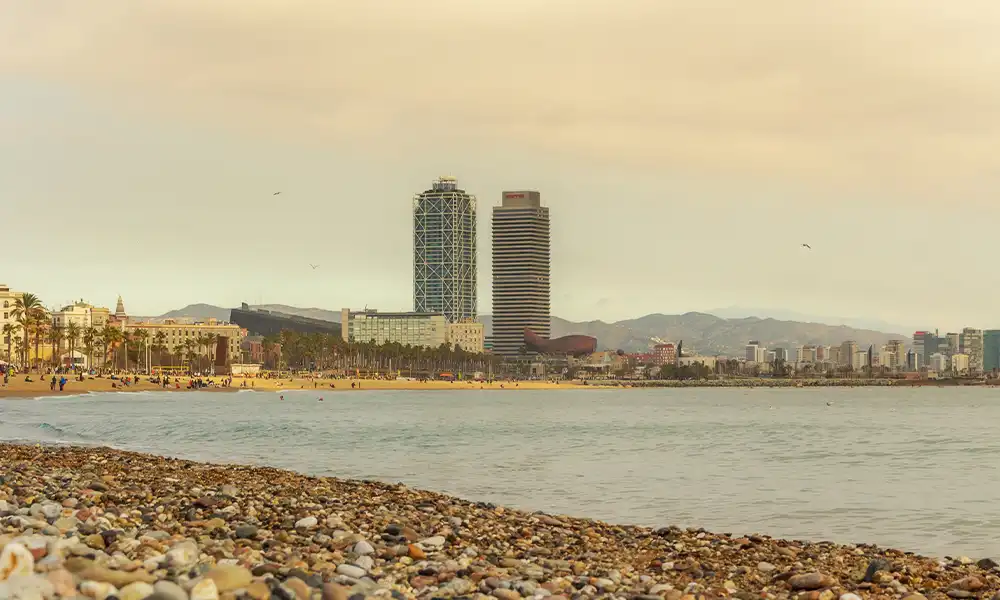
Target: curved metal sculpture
572,345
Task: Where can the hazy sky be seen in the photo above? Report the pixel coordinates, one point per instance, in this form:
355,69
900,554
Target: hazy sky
685,147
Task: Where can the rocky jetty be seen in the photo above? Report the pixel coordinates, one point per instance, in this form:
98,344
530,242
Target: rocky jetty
105,524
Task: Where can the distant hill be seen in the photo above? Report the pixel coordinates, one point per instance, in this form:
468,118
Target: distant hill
702,332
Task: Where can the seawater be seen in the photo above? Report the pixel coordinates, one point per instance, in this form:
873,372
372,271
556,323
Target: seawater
908,468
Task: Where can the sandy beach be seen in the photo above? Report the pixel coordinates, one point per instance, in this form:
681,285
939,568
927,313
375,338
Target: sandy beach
96,522
18,388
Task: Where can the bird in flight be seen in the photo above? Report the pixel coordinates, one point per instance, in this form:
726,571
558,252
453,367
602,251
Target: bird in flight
314,267
275,193
807,246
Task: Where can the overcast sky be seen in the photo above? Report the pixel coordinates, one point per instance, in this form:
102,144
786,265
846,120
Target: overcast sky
686,149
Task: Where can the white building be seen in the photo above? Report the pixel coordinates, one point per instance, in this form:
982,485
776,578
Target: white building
708,361
78,313
859,360
960,363
887,358
752,350
938,362
429,330
805,354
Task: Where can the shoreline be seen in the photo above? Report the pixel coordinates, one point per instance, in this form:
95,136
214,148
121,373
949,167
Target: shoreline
19,389
88,517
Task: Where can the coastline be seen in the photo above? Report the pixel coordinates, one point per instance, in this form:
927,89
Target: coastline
18,388
89,518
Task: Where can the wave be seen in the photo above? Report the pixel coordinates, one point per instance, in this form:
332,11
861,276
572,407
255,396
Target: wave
41,432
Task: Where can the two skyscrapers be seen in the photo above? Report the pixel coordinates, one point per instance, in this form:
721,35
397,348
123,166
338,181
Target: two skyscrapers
444,261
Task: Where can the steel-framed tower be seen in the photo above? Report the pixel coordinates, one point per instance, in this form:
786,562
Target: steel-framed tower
444,251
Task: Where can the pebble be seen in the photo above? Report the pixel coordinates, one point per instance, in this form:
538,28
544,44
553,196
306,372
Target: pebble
15,560
98,590
333,591
245,532
168,590
765,567
363,548
351,571
306,523
135,591
204,589
811,581
229,577
182,555
433,543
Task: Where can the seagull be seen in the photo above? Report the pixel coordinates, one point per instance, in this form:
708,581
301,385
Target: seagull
275,193
314,267
807,246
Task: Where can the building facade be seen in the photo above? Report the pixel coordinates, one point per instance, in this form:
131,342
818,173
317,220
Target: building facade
664,354
752,349
469,336
960,363
8,300
428,330
991,350
847,351
79,313
175,336
972,344
444,251
521,270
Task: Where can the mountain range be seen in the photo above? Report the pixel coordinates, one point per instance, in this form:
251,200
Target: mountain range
701,332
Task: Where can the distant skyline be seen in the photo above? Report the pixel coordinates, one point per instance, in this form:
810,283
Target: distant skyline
686,150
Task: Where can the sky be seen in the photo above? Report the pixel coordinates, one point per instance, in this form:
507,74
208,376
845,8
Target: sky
686,149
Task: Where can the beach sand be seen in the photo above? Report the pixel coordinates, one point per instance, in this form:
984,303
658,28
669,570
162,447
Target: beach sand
99,520
18,388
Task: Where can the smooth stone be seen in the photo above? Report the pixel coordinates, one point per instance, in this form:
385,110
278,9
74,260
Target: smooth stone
765,567
135,591
258,590
51,511
66,523
811,581
363,548
299,587
62,582
306,523
333,591
15,560
170,590
987,563
26,587
849,596
229,577
505,594
365,562
95,541
204,590
98,590
967,584
183,554
352,571
246,532
433,543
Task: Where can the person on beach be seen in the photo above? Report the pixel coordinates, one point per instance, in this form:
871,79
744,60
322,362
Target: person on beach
62,383
52,384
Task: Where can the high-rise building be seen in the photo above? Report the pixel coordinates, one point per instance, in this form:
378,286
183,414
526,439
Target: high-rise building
972,344
991,350
847,351
896,347
954,342
664,354
521,270
926,344
753,346
781,354
444,251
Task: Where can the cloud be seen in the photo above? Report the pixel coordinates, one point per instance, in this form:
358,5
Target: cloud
875,91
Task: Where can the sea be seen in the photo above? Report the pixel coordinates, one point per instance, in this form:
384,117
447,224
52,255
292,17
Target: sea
914,468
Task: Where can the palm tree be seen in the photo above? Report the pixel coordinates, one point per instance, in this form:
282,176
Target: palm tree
9,329
159,345
91,338
140,337
41,329
110,336
55,337
72,336
211,340
26,309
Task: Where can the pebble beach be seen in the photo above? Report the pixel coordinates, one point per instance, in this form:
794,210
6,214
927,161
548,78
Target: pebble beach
100,523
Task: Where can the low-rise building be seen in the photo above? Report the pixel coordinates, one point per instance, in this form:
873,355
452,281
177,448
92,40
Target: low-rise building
175,336
468,335
938,362
429,330
960,363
